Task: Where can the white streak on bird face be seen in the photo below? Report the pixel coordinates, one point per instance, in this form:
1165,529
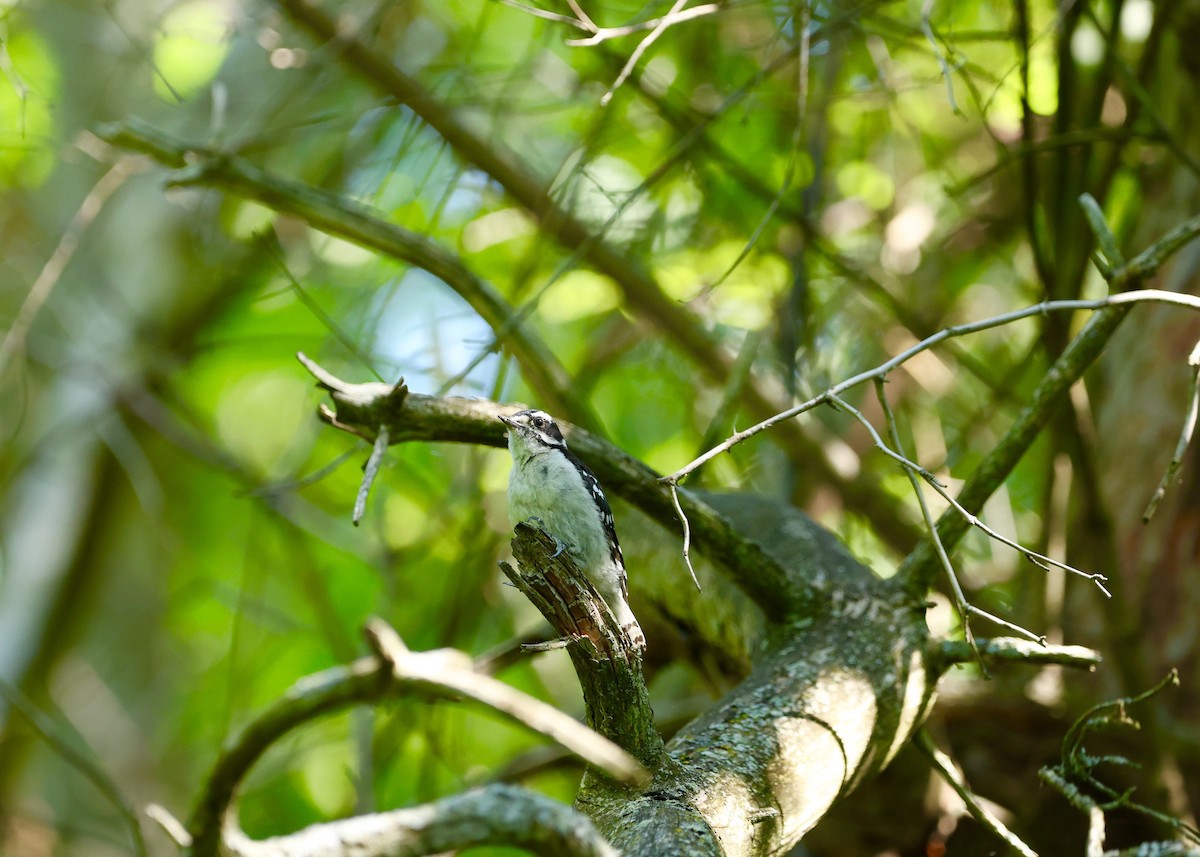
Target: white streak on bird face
532,432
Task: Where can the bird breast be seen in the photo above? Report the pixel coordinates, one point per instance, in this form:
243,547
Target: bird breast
548,487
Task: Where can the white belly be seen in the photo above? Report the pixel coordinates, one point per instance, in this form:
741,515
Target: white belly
549,488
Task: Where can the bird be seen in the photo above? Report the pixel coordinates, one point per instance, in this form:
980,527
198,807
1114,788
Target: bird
551,486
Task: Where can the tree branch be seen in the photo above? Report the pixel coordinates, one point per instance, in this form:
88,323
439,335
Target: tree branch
1013,650
920,566
443,674
641,291
1120,302
1185,437
363,408
361,225
953,776
607,662
492,815
829,703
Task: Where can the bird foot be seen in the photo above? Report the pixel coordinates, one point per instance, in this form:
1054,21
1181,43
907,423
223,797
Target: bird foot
559,545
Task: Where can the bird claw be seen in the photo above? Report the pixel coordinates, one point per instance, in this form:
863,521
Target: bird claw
559,545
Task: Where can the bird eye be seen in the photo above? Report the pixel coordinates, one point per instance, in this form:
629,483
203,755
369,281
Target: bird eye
540,422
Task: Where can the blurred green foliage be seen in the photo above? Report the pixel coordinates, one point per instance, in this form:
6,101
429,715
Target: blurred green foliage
176,547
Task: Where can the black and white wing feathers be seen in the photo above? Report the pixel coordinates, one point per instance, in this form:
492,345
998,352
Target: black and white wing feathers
592,485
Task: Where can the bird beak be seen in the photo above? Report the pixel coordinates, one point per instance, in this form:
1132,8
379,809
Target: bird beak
507,421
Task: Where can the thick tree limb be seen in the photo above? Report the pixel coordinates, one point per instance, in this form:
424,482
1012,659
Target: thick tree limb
829,704
832,699
606,661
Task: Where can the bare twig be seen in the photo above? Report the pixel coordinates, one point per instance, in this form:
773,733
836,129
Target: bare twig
52,735
687,534
953,775
52,271
1040,639
584,18
643,46
1123,299
169,824
543,14
370,472
956,590
939,55
1040,560
1185,437
603,34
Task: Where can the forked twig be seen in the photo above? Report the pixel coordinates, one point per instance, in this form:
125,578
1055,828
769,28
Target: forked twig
1039,559
603,34
883,369
643,46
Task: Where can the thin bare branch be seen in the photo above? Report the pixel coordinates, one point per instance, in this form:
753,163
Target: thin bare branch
643,46
603,34
953,775
1185,437
956,590
1040,560
1123,299
378,448
584,18
939,55
544,14
1040,639
687,533
52,271
169,824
